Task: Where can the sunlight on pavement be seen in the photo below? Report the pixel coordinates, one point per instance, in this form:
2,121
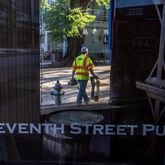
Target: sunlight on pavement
51,75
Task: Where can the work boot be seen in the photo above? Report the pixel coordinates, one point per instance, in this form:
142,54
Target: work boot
78,104
87,101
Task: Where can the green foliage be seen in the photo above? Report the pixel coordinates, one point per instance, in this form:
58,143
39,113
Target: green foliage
56,19
105,3
43,4
62,21
78,21
43,7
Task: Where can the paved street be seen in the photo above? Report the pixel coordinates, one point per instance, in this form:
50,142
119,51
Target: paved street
49,77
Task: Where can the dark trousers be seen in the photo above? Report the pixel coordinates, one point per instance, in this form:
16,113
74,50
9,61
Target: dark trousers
82,91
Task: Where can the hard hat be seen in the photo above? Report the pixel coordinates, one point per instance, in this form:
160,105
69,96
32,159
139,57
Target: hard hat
84,50
72,82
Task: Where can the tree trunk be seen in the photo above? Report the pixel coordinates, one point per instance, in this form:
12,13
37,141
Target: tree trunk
75,43
74,47
79,3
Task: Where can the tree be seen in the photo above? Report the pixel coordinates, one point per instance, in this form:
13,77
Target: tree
105,3
43,4
67,19
43,7
62,21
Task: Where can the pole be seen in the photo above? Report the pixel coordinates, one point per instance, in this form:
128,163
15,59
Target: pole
162,46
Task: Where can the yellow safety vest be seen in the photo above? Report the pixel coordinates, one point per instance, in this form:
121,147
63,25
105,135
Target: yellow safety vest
82,64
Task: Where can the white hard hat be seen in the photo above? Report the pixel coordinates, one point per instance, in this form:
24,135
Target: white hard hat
84,50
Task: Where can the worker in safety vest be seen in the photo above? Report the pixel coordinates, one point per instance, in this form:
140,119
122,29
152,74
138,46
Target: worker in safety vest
81,67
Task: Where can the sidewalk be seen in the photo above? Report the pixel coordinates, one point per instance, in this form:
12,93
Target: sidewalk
49,77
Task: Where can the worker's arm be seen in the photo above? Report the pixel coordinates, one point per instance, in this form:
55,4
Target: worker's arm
93,74
73,73
73,68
